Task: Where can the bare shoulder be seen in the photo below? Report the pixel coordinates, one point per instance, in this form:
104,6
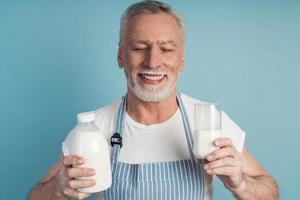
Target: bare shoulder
250,165
53,170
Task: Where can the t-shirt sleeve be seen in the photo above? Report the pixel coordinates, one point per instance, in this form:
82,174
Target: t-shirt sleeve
231,130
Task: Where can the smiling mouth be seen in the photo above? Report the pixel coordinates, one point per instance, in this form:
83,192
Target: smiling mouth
152,77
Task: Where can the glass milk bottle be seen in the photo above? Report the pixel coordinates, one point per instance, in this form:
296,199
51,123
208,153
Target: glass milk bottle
207,127
87,141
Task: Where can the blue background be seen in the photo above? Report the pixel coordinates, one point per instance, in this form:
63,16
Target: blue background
58,58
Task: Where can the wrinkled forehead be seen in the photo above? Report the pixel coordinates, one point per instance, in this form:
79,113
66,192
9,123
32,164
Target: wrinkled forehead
160,26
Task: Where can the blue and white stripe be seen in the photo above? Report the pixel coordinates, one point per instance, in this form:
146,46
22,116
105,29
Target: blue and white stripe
172,180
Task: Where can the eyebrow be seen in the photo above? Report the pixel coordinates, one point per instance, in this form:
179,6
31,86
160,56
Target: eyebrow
163,42
140,41
160,42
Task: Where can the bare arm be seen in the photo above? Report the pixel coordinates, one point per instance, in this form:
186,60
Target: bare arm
258,187
256,183
240,173
60,183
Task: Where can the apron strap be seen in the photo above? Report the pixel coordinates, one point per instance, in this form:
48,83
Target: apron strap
116,139
187,127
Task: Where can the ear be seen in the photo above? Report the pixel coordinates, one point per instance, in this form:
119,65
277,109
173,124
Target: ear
182,64
120,60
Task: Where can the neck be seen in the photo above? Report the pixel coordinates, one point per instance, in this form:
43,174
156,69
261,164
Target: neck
151,112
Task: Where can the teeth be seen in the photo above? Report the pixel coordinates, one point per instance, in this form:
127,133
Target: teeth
156,77
157,73
152,75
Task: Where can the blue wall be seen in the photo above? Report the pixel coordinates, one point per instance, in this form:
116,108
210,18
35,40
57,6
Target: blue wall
58,58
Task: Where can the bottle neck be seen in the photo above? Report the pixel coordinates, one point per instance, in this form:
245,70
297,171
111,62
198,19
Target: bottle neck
86,123
89,126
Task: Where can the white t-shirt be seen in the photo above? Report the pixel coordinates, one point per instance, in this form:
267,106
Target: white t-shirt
161,142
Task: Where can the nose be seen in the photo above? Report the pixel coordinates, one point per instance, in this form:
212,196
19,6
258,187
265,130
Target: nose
153,58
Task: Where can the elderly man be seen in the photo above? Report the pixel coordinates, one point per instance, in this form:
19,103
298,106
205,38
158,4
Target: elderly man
155,161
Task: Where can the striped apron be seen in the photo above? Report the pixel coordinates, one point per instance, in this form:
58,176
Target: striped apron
172,180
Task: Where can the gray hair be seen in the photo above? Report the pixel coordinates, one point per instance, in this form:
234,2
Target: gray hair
150,7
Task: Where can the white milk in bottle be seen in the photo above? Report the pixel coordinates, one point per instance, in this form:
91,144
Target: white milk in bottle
87,141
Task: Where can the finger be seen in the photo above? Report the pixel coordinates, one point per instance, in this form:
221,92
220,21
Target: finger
227,161
73,160
223,142
222,153
80,172
226,171
76,184
75,194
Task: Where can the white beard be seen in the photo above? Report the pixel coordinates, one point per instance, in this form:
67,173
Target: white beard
148,93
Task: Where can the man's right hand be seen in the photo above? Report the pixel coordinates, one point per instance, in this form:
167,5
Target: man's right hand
67,182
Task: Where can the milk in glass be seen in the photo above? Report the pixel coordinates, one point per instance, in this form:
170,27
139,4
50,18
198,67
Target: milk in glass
207,128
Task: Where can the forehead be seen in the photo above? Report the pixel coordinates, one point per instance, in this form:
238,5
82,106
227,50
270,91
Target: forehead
153,27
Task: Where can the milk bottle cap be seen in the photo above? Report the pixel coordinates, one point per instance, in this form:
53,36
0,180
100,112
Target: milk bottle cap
86,117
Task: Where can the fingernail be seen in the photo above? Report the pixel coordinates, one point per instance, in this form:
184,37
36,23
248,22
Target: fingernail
217,142
80,161
93,171
209,158
208,171
205,166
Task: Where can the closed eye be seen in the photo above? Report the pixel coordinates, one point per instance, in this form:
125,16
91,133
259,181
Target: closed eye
166,50
139,49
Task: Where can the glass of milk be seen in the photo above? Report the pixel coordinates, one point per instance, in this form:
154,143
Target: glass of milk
207,127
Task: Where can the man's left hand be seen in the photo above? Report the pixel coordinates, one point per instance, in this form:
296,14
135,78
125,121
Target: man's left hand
226,163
